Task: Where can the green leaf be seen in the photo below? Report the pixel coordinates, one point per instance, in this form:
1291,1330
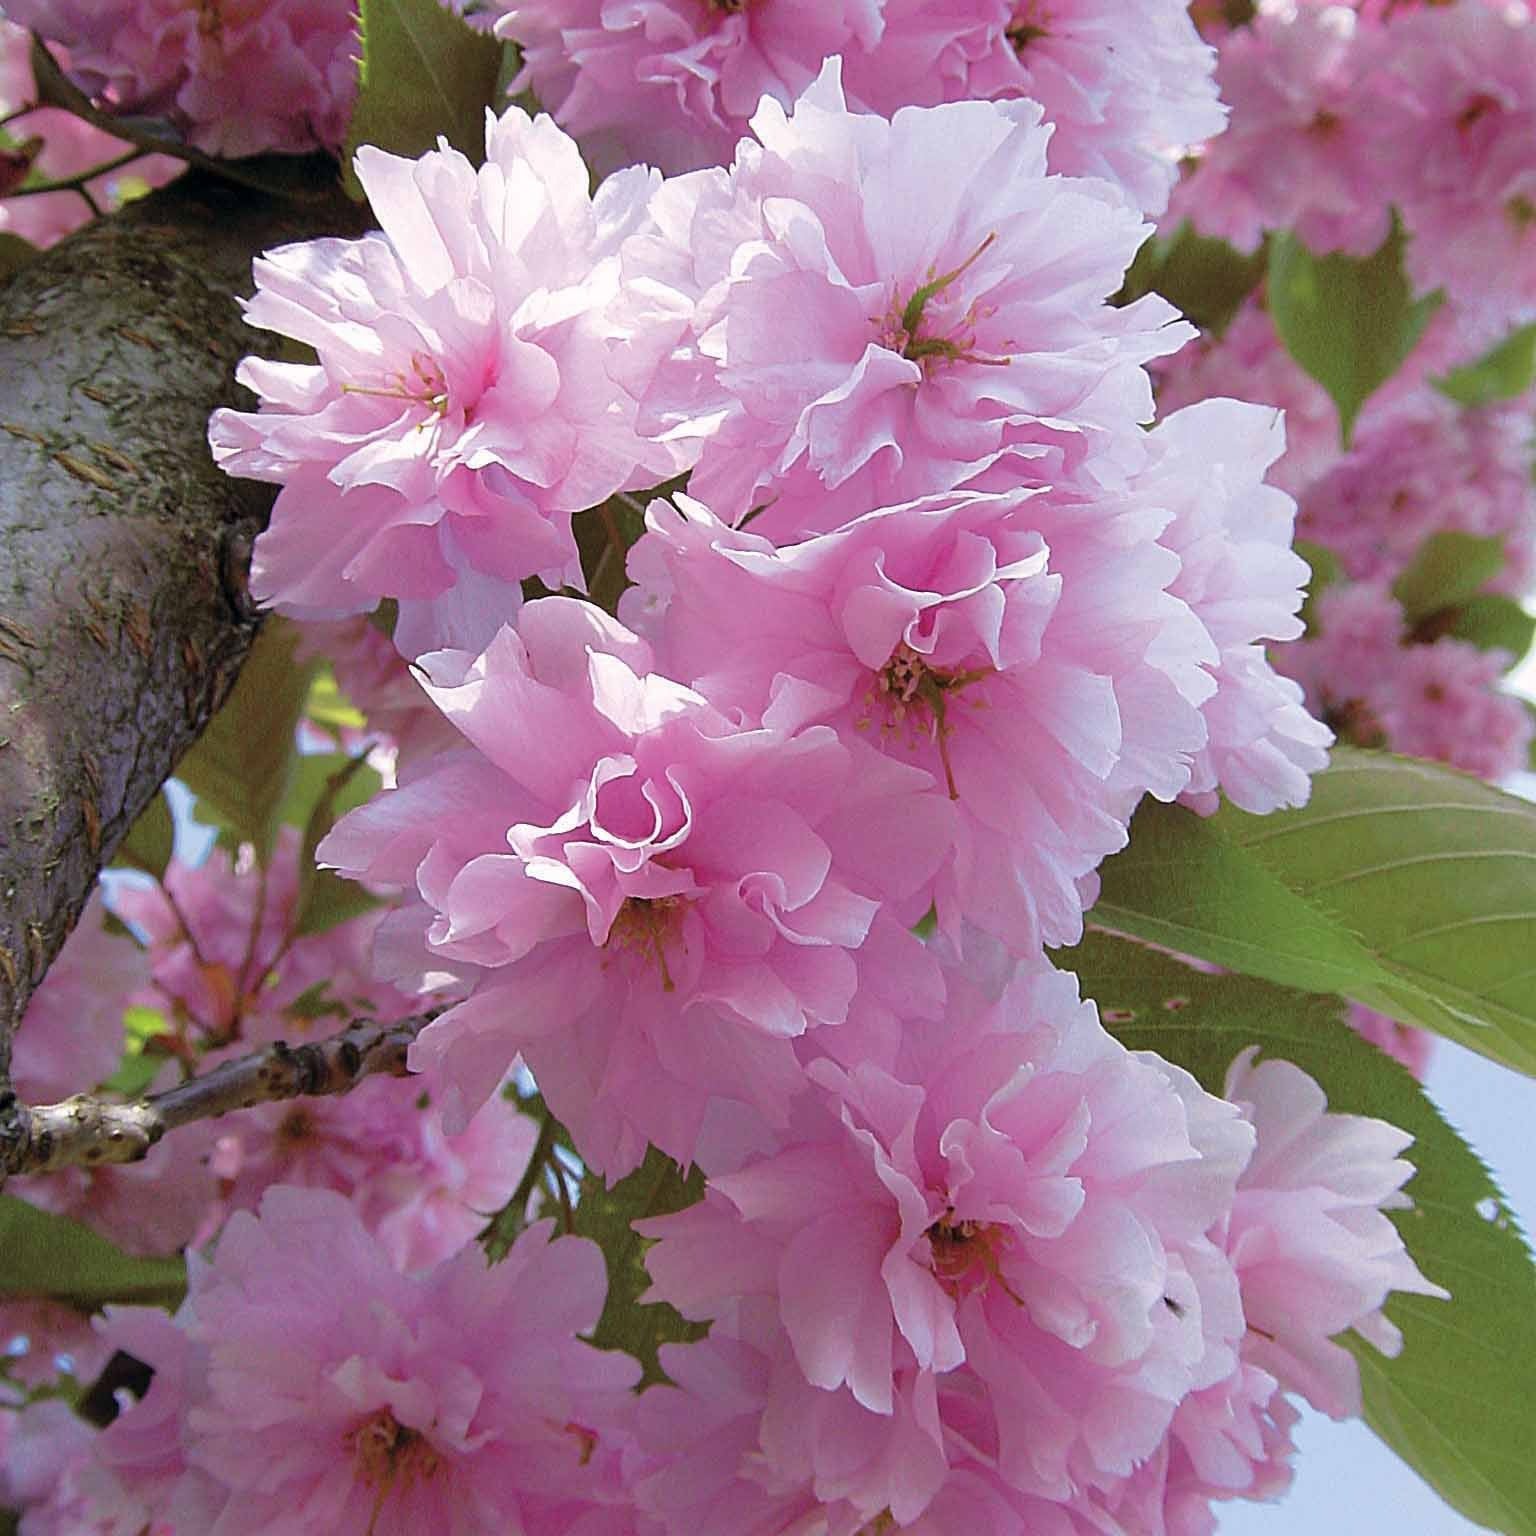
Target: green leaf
1205,278
1449,568
150,839
655,1188
1456,1404
328,707
241,766
325,899
1403,884
423,72
1495,623
46,1255
1507,370
1348,321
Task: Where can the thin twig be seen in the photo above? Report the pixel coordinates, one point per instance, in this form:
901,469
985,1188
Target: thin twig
500,1232
78,183
90,1132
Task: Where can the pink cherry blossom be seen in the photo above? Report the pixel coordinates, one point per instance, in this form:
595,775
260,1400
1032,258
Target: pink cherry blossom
1305,146
669,82
1313,1251
1032,1201
463,406
326,1391
967,635
1443,702
652,900
1125,88
71,1036
422,1193
1239,575
236,76
830,339
1466,173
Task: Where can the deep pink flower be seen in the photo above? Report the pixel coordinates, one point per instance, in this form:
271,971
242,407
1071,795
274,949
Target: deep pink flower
421,1193
655,900
1305,147
236,76
1313,1251
673,82
1031,1201
1466,167
831,339
970,636
463,406
1443,702
340,1395
1125,88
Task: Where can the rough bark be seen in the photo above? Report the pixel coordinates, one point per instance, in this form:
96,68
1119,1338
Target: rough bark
124,615
90,1132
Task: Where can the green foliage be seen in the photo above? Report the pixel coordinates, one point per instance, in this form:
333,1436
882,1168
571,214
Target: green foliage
140,1063
324,788
1403,884
1495,623
1207,279
46,1255
423,72
1348,321
1507,370
150,839
1457,1404
240,767
1449,568
328,707
605,1215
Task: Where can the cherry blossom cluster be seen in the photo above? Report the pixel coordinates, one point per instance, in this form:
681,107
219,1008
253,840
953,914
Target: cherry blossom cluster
756,863
234,77
1341,115
934,614
674,83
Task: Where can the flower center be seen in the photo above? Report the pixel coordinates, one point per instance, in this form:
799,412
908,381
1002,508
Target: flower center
915,697
295,1129
388,1455
424,383
965,1255
1027,26
644,926
904,327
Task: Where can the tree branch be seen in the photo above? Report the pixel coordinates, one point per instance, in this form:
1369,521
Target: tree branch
86,1132
124,615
